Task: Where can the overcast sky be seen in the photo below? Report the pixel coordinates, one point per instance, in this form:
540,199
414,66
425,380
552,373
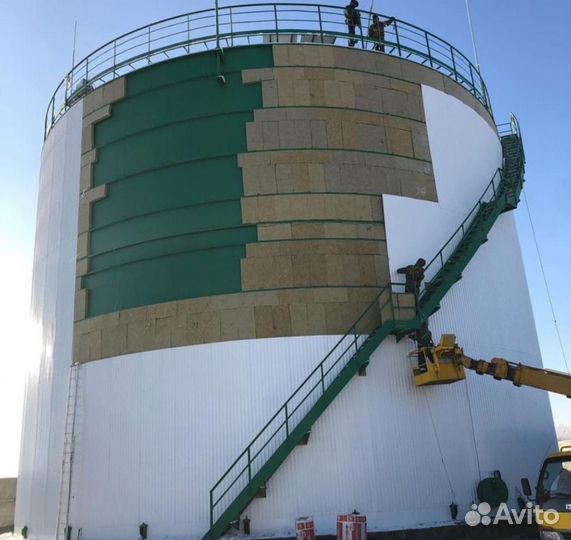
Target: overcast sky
525,49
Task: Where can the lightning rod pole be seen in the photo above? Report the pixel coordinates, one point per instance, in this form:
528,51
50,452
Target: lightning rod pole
472,34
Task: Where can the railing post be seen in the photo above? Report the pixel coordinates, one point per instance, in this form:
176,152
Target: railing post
66,91
188,33
355,339
87,70
514,124
217,26
395,24
149,46
231,28
485,95
286,420
249,465
114,58
71,79
322,378
320,22
428,49
453,63
472,79
276,22
52,113
211,509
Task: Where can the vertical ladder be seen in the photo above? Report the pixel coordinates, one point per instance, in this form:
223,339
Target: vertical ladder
67,456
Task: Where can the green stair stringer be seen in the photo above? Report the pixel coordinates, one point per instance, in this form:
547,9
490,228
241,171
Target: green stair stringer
501,195
386,315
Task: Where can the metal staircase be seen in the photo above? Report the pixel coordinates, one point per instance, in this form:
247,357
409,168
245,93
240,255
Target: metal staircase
501,195
391,312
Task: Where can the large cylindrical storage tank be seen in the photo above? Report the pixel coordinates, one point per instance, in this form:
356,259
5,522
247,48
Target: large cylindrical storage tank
209,227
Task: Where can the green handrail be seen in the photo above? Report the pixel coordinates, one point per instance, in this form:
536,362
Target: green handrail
279,426
250,24
276,439
491,192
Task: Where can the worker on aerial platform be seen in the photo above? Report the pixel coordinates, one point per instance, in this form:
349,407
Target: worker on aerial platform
414,274
424,345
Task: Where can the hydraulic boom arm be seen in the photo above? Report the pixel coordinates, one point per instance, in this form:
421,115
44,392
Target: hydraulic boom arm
521,375
447,362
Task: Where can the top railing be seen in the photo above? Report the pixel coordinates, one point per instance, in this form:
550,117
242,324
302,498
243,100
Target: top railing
251,24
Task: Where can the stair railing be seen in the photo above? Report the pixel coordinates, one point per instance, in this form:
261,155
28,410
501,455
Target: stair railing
490,193
439,260
384,309
385,305
512,128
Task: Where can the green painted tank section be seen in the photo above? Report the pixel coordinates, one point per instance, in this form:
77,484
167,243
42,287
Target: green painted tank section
171,225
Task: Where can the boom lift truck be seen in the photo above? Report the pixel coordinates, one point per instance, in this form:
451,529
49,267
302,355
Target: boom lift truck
446,363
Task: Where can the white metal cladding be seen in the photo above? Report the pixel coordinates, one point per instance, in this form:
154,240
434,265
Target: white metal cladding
53,286
157,429
160,427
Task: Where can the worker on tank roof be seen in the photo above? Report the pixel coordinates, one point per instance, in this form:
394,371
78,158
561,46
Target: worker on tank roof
414,274
352,19
377,31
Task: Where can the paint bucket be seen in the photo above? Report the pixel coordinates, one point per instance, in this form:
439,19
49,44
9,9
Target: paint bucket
304,528
352,527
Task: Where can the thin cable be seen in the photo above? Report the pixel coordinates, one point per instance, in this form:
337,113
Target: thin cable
472,34
546,283
439,448
473,429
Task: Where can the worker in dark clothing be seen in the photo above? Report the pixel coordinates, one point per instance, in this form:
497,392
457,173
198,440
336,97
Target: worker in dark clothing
414,274
377,32
424,344
353,20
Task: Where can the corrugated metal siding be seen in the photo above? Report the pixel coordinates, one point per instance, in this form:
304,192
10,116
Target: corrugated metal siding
157,429
161,427
397,453
52,310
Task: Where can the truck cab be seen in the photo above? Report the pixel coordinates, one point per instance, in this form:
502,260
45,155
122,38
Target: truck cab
553,494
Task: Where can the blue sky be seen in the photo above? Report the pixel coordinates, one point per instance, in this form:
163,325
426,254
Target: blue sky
525,50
